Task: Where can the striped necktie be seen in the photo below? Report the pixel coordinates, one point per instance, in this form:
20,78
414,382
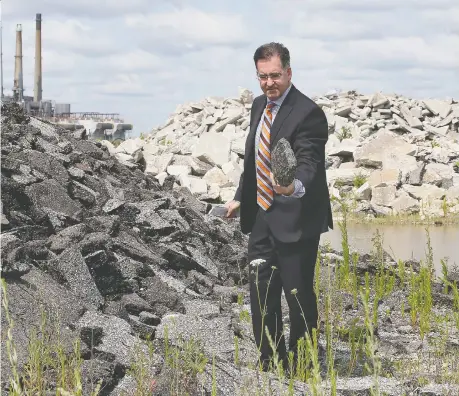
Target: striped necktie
264,185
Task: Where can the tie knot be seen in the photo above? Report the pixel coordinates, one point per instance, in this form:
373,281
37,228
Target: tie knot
270,106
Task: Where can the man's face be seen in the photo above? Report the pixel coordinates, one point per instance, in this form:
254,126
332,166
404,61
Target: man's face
274,80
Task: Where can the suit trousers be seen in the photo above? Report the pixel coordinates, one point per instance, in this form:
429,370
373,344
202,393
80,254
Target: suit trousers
287,266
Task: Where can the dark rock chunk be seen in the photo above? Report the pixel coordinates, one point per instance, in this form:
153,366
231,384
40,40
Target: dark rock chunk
149,318
283,163
202,262
14,114
145,331
117,343
44,163
65,147
72,267
94,242
14,198
128,245
174,218
112,205
50,196
83,194
106,224
105,271
116,308
160,296
132,269
87,148
134,304
67,237
91,336
30,233
185,199
35,293
14,264
94,371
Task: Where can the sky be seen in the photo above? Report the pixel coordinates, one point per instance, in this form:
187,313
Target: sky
144,58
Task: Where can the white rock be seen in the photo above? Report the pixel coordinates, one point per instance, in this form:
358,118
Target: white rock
345,148
229,132
176,170
238,146
227,193
346,176
372,153
228,167
195,184
404,204
437,107
130,146
452,194
161,177
111,148
216,176
383,195
245,95
425,192
347,165
213,192
363,192
387,177
439,174
124,157
157,163
214,146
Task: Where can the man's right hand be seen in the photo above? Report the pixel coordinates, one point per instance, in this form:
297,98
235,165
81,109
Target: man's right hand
232,206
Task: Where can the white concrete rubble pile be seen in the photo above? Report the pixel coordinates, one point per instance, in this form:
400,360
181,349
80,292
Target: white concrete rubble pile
387,153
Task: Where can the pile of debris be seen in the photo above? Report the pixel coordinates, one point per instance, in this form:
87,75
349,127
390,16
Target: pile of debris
387,153
112,256
109,251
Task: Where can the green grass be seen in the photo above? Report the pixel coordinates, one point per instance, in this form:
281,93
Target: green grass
431,311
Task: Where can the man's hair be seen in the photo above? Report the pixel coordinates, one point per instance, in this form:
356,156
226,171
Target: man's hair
267,51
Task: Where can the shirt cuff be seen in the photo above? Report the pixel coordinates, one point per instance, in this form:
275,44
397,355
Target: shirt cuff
299,190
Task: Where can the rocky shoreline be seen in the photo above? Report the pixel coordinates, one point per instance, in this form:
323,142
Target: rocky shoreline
114,257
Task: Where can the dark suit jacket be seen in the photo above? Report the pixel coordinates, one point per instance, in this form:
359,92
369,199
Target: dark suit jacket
303,123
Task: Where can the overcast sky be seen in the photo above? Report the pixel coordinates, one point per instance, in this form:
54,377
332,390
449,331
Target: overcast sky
142,58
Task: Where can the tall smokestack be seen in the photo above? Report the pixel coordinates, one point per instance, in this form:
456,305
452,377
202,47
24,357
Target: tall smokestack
1,55
37,89
18,87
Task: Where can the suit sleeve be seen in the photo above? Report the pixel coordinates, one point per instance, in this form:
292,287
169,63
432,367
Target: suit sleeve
238,195
309,146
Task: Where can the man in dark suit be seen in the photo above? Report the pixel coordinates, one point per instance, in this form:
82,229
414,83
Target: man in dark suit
284,222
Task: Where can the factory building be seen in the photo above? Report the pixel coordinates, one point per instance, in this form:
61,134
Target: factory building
109,126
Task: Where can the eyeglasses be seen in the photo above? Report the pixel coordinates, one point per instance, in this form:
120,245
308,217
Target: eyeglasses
272,76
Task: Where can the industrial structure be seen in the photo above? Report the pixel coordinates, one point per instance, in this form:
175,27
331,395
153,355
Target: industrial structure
98,126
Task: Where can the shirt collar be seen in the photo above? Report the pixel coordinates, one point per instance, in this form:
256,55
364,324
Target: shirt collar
279,101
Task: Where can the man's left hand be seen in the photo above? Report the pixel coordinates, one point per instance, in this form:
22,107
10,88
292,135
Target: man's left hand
278,189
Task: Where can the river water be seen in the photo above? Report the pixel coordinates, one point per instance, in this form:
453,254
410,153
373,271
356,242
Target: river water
402,241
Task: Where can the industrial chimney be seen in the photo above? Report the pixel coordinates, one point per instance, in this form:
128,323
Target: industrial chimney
37,90
18,86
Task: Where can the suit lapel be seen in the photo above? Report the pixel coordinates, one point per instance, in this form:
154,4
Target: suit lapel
257,112
284,111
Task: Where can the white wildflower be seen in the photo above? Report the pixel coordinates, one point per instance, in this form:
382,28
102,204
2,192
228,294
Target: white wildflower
257,262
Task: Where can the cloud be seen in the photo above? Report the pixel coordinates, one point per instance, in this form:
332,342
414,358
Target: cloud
189,29
440,51
93,9
363,5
